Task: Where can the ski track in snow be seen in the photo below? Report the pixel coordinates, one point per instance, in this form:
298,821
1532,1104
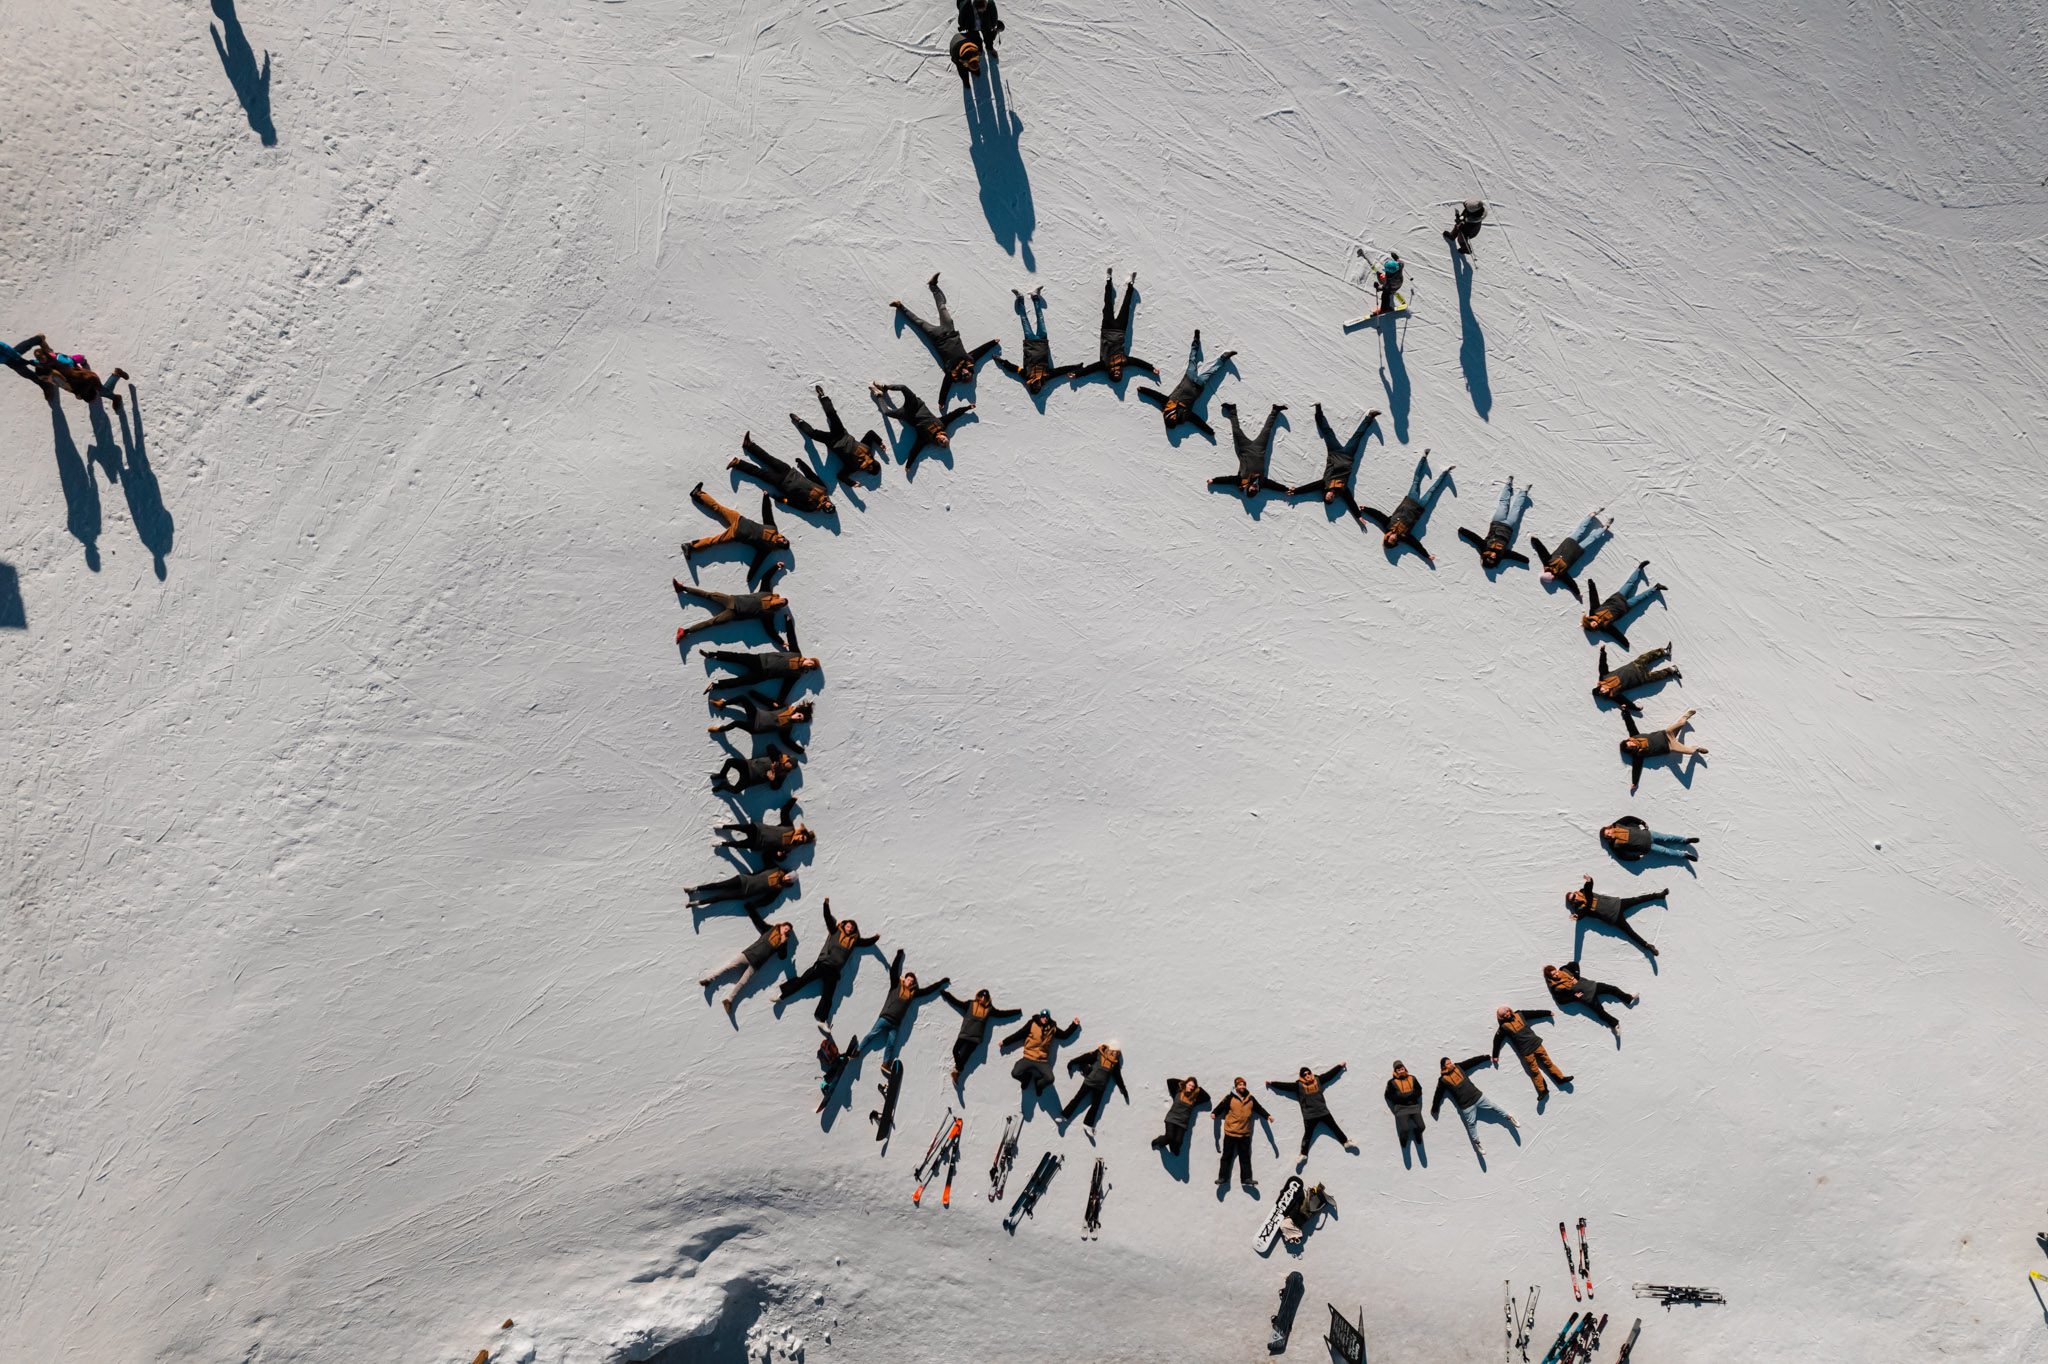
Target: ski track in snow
346,991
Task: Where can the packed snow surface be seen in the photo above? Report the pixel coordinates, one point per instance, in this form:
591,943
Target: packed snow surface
347,991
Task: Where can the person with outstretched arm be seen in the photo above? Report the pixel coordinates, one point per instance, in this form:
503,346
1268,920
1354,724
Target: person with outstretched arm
759,667
956,362
1560,564
1306,1089
1038,369
72,373
1399,529
1569,985
1178,407
731,608
1404,1101
1039,1037
760,536
772,842
1465,225
1184,1096
1338,461
842,940
1454,1083
1639,672
776,940
769,768
926,427
1498,543
1254,455
1113,347
893,1021
1103,1067
1606,618
1612,910
1516,1030
863,456
751,715
1234,1115
792,485
759,889
1640,748
1628,839
975,1016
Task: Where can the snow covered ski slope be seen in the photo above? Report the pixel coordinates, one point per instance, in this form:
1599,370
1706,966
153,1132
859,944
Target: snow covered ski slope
348,999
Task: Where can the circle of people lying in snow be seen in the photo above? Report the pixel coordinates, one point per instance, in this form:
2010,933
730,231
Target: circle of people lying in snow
753,694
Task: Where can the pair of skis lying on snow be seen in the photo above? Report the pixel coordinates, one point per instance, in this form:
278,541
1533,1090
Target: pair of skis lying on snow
944,1150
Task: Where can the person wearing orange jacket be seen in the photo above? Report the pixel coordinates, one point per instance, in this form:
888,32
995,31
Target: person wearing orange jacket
1234,1115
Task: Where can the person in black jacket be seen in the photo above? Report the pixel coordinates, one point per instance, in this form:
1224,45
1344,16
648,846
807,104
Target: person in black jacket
752,668
979,17
1640,748
842,940
1568,985
773,842
1338,461
956,362
792,485
1561,563
1404,1101
1516,1030
729,608
1306,1089
926,427
862,456
776,940
1254,455
1628,839
1178,408
1606,617
762,536
1454,1084
1184,1096
975,1016
1039,1037
1399,529
750,714
1234,1115
769,768
759,889
1641,671
1465,225
1612,910
1104,1067
1113,347
1499,541
893,1021
1038,369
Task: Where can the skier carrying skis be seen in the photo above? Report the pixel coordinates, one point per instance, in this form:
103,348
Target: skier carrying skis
1306,1089
975,1016
1516,1031
1113,351
1612,910
926,427
1404,1100
1628,839
1038,1037
1465,225
1234,1115
1038,369
842,940
1499,540
776,940
1567,985
1104,1067
1606,618
1388,277
754,667
1338,461
1399,529
758,889
730,608
1178,407
1254,455
1559,565
1640,748
751,715
1453,1083
955,360
1639,672
904,993
858,455
761,536
793,486
774,842
1185,1096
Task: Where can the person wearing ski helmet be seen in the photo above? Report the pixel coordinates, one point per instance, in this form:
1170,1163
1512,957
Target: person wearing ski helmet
965,50
1388,277
1515,1029
975,1016
1465,224
1628,839
776,940
1612,910
1184,1097
1039,1038
1306,1089
1640,748
1234,1115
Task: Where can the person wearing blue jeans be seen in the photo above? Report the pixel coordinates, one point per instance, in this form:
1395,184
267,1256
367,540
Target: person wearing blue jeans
1606,618
1561,563
1399,528
1178,407
890,1023
1628,839
1499,541
1454,1084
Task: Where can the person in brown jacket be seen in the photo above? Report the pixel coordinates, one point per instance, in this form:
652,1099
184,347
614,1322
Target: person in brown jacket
1569,985
1235,1113
1039,1037
1404,1099
1187,1096
1515,1031
1612,910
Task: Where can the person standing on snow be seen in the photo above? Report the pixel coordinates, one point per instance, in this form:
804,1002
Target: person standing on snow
979,19
1234,1115
1515,1031
1465,225
1388,277
1306,1089
1039,1037
1628,839
1186,1095
1640,748
975,1016
904,993
1454,1084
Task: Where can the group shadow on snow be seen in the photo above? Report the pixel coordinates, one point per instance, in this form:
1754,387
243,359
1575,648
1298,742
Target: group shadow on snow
125,463
993,131
251,83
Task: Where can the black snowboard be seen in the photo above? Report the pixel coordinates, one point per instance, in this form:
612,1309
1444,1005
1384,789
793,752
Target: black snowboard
884,1118
1283,1320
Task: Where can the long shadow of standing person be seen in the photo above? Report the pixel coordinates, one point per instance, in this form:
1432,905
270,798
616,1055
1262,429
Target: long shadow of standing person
1472,342
153,524
993,128
81,492
252,86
